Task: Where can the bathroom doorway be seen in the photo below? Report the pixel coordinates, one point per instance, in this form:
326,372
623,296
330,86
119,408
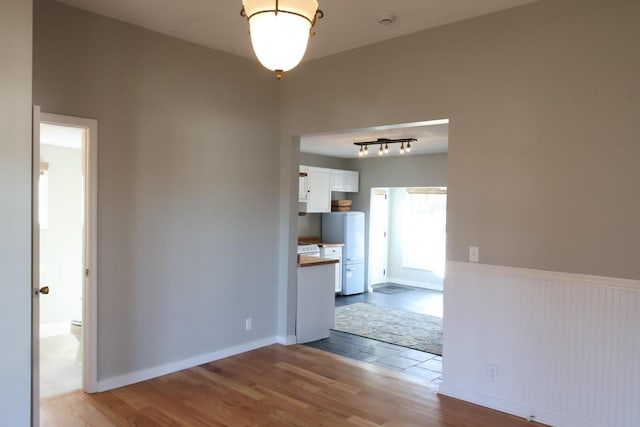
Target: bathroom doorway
64,235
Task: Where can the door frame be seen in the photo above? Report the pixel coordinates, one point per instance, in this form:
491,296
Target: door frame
90,253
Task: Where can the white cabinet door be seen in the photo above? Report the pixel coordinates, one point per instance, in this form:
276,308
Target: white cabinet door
351,181
303,184
334,252
319,183
337,180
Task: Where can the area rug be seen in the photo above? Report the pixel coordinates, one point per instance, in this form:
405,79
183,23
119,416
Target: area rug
403,328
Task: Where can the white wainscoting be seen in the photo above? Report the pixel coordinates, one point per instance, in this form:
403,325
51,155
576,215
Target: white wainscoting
566,346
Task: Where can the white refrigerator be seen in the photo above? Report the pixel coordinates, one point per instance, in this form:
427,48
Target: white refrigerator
347,228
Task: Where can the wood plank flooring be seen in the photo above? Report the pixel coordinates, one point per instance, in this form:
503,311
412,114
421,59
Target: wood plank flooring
274,386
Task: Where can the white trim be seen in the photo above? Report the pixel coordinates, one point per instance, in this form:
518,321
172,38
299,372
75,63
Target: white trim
147,374
555,276
90,290
506,406
287,340
421,285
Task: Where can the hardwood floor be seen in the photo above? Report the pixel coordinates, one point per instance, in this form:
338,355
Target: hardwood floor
273,386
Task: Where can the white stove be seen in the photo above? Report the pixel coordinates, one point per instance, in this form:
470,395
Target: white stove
309,250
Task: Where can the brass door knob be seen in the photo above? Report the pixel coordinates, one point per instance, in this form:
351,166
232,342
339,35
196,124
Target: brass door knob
44,290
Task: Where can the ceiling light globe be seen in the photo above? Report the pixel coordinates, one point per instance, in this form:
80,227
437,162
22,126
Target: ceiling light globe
280,39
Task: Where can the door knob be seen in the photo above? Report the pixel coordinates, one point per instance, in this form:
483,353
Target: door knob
44,290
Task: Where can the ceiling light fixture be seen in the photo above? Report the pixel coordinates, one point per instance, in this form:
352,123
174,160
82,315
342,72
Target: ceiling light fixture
385,142
280,30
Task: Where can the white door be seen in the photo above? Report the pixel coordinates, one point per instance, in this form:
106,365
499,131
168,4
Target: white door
378,230
35,273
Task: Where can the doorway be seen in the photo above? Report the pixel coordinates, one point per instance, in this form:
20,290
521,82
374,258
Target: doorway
413,223
64,258
378,232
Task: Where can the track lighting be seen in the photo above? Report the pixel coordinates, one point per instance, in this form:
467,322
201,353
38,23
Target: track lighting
384,145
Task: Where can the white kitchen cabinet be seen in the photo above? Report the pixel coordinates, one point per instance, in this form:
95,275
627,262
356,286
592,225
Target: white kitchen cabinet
337,180
315,312
303,184
351,181
319,190
334,252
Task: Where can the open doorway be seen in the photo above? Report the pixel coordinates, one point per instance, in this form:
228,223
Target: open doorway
64,258
61,216
380,178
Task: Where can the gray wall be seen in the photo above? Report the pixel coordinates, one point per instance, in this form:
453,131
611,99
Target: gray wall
317,160
187,151
543,103
15,215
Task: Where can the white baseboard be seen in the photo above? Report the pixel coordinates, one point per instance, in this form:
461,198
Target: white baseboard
287,340
422,285
147,374
512,408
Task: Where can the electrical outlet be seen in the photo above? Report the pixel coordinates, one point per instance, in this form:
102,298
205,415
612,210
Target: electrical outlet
492,371
474,254
247,324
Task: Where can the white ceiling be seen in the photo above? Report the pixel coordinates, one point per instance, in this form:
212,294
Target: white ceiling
432,138
347,23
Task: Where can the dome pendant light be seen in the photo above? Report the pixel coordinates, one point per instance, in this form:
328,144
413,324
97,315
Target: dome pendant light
280,30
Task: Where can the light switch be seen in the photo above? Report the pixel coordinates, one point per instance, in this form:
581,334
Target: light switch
474,254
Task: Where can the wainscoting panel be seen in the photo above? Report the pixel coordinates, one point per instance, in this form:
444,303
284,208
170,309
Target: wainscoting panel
561,348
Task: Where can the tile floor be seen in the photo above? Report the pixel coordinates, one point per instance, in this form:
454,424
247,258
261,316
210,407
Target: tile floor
413,362
59,371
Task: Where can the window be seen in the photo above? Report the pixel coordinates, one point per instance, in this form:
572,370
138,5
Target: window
424,229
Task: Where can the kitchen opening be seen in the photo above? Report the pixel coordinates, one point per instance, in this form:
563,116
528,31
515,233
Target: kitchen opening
379,219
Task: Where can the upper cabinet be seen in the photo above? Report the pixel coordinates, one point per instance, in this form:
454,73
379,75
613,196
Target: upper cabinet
337,180
345,181
303,184
351,181
319,190
316,184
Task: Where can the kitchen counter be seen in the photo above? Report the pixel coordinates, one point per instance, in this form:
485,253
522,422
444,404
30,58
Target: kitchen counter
310,261
331,245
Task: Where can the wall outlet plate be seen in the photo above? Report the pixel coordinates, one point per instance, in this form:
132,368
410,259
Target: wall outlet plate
474,254
247,324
